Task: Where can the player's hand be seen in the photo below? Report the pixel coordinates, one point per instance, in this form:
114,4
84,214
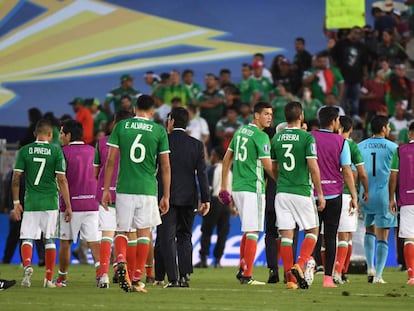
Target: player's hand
204,208
353,206
225,197
233,210
18,210
365,197
106,199
321,203
68,214
393,207
164,205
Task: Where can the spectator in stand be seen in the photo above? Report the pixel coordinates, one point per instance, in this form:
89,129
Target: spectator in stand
279,102
245,87
100,118
324,80
351,57
34,115
399,119
261,85
211,103
310,105
285,76
302,61
152,80
371,43
373,94
226,127
225,79
84,117
259,57
391,49
382,21
331,101
245,114
384,65
126,103
398,88
188,81
403,135
274,68
175,89
232,95
114,96
403,32
197,126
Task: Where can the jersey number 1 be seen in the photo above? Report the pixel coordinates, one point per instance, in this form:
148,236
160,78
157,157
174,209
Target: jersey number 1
374,155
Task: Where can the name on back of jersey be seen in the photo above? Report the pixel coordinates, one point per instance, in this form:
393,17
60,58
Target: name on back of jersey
288,137
247,131
375,146
138,126
40,150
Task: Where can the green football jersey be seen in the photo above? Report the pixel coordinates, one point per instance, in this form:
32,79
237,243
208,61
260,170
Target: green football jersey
249,145
310,109
115,95
263,86
139,141
246,91
193,90
278,104
356,159
291,148
41,162
171,91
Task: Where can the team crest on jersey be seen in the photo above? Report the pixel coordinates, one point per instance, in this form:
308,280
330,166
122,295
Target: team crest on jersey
313,148
266,148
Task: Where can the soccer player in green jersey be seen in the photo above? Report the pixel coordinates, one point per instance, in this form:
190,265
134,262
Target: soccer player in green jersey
295,159
43,164
349,220
139,141
249,151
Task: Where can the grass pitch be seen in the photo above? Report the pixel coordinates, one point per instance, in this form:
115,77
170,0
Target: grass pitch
211,289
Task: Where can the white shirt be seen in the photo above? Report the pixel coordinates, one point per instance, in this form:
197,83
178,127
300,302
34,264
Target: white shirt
216,184
198,128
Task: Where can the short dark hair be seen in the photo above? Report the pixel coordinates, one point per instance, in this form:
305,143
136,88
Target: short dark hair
180,117
219,151
42,126
293,110
327,115
300,39
261,55
377,123
346,123
233,107
145,102
225,70
187,71
210,75
126,97
74,128
260,106
122,115
247,65
411,127
192,107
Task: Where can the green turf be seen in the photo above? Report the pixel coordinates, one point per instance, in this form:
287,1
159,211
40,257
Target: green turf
211,289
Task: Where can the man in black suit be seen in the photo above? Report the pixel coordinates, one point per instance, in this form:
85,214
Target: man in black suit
174,234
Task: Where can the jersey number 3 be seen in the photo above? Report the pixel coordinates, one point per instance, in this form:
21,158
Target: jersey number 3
288,155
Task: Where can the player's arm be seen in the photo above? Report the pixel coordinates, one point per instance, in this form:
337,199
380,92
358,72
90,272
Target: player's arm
166,182
64,190
348,176
363,178
268,167
18,209
316,180
109,171
227,162
392,186
96,162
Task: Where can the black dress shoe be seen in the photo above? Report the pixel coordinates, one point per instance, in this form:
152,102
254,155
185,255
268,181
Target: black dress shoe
172,284
184,282
273,276
5,284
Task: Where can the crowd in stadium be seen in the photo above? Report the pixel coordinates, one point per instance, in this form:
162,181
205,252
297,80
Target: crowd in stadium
358,82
